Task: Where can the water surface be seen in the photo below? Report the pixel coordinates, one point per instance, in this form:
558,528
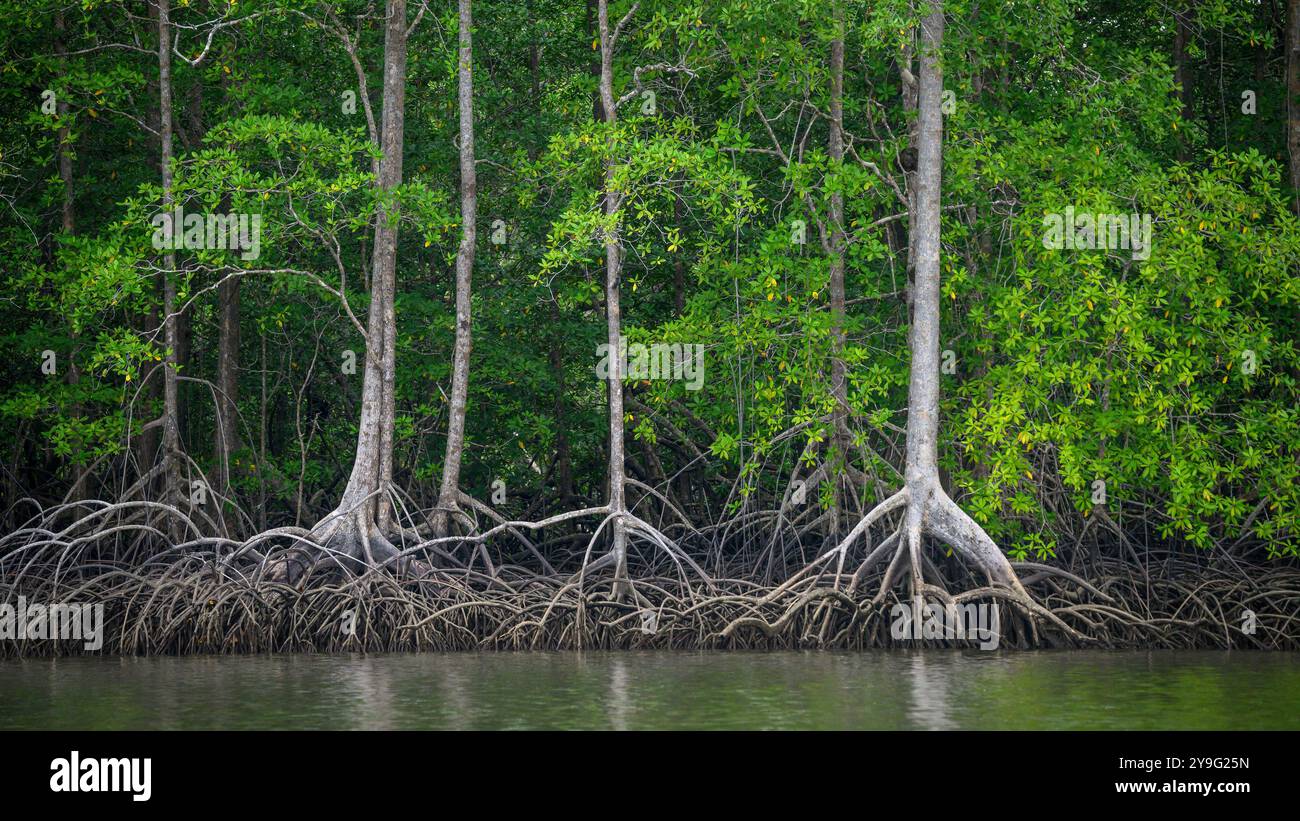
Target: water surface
796,691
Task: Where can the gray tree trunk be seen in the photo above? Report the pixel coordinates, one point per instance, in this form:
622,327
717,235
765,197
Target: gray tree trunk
171,339
923,390
358,524
613,313
464,277
839,373
928,507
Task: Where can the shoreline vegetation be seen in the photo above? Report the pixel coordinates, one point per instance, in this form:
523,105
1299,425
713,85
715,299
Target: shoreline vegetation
783,315
210,595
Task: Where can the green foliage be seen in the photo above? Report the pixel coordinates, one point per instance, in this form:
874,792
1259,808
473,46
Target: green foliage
1171,378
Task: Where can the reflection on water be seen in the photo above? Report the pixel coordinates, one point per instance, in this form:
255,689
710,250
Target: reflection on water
935,690
929,691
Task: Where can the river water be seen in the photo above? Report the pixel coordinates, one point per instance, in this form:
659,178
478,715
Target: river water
798,690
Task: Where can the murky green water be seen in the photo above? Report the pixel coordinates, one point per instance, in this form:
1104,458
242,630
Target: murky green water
878,690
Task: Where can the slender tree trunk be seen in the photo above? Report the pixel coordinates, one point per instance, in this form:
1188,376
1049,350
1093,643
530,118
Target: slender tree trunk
929,507
171,423
464,276
394,125
1293,96
613,313
923,386
146,444
226,435
358,524
839,373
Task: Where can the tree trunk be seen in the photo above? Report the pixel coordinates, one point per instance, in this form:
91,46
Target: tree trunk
171,424
613,314
923,387
839,373
357,526
928,507
464,276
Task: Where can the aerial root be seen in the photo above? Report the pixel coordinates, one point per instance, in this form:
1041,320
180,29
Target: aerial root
212,594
